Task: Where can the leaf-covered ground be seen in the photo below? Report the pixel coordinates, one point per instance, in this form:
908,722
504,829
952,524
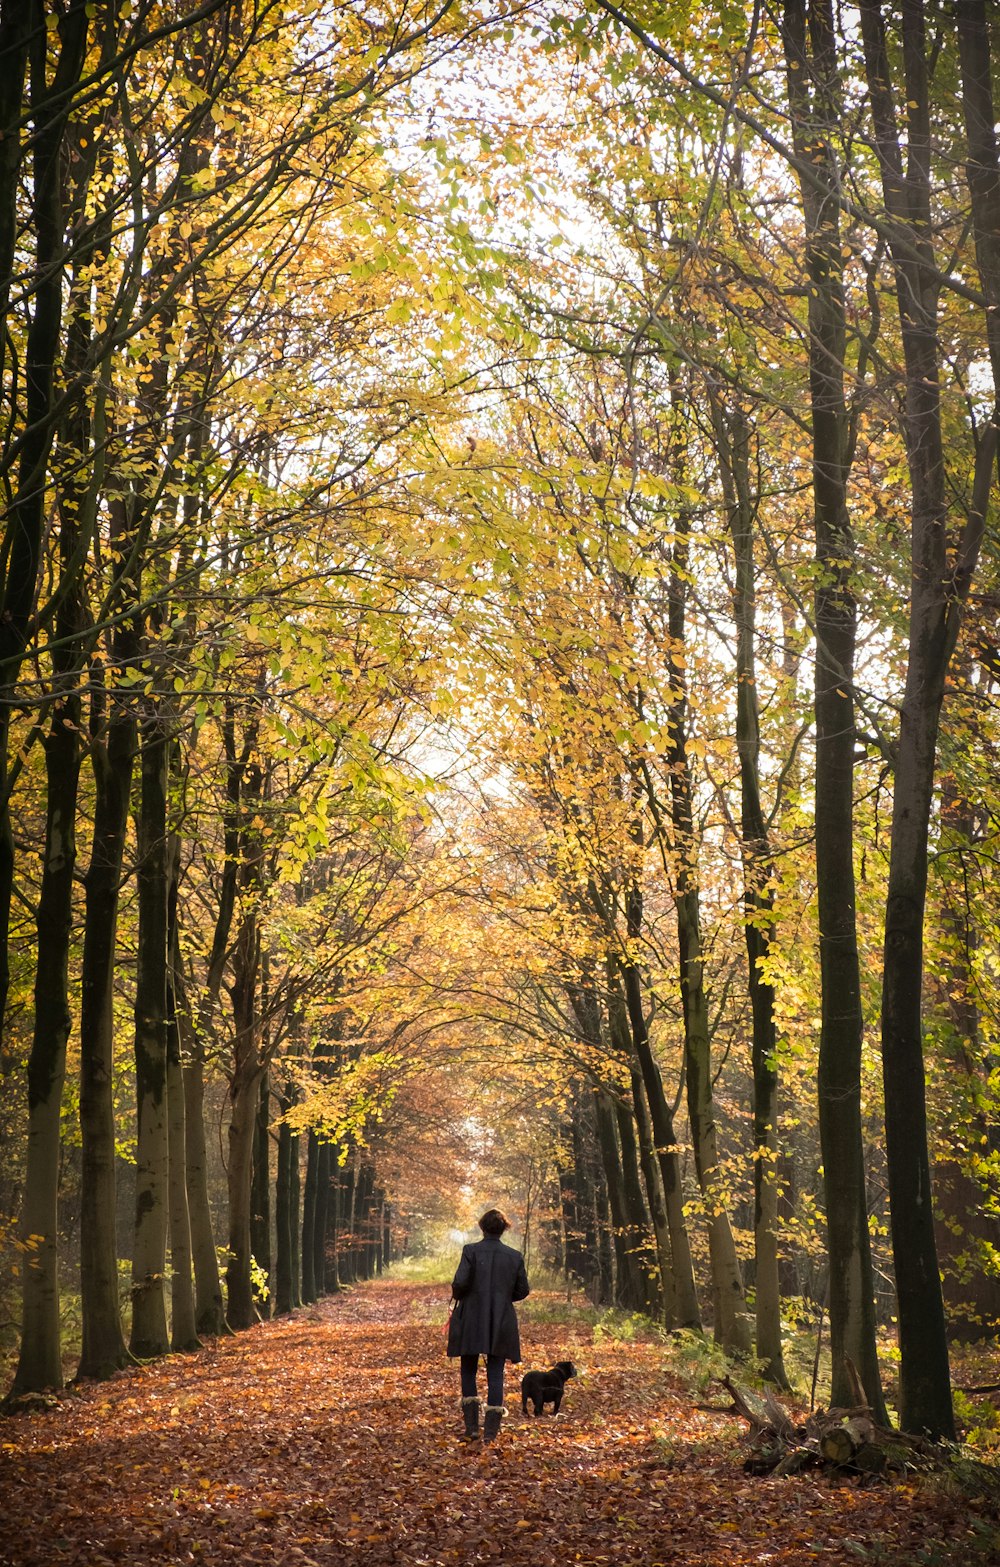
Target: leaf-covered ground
331,1437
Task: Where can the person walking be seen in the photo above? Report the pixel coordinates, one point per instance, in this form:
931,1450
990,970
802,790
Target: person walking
490,1277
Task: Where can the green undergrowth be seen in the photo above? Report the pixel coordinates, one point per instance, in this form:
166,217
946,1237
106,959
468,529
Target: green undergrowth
435,1268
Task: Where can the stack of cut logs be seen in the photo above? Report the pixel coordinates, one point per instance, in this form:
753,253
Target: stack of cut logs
845,1440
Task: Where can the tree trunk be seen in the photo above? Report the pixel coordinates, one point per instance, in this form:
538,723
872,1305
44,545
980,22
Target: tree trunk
654,1196
309,1292
294,1201
40,1360
25,35
727,1282
103,1347
733,450
688,1314
244,1096
209,1311
285,1213
248,1061
638,1232
630,1280
260,1195
149,1316
321,1214
579,1256
337,1271
814,113
40,1356
183,1333
630,1290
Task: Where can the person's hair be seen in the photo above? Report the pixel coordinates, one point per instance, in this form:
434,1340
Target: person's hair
493,1222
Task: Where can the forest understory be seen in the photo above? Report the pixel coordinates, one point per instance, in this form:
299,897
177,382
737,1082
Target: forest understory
333,1435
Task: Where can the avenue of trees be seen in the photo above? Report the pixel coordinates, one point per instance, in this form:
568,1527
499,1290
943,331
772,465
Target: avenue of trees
499,663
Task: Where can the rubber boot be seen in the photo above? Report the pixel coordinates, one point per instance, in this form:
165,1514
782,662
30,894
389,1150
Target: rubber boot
470,1409
492,1416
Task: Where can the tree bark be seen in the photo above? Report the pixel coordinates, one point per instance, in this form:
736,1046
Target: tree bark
103,1348
654,1196
285,1213
27,37
40,1359
309,1292
149,1318
852,1311
639,1239
294,1203
732,447
324,1160
183,1331
686,1308
240,1309
630,1288
209,1311
260,1195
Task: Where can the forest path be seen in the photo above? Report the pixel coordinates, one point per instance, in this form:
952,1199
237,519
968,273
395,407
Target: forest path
331,1437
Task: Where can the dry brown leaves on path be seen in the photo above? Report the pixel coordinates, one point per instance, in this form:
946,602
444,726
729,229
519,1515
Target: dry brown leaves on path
331,1437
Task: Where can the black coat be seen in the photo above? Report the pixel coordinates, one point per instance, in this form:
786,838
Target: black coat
489,1279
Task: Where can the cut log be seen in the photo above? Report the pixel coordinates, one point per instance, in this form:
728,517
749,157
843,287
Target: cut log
841,1442
837,1446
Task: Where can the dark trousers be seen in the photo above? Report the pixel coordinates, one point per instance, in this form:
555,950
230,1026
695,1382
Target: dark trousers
494,1378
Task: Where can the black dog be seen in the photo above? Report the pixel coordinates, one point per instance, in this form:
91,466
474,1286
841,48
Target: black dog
546,1387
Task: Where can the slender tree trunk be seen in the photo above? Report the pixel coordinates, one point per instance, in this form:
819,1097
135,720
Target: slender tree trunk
321,1214
638,1233
183,1333
729,1303
381,1258
260,1195
25,35
210,1316
338,1266
240,1309
727,1280
149,1317
309,1292
40,1358
40,1361
112,750
815,111
667,1152
630,1291
294,1196
103,1347
285,1216
248,1060
733,449
654,1195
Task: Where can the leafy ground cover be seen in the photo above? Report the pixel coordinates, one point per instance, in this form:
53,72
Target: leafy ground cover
331,1436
